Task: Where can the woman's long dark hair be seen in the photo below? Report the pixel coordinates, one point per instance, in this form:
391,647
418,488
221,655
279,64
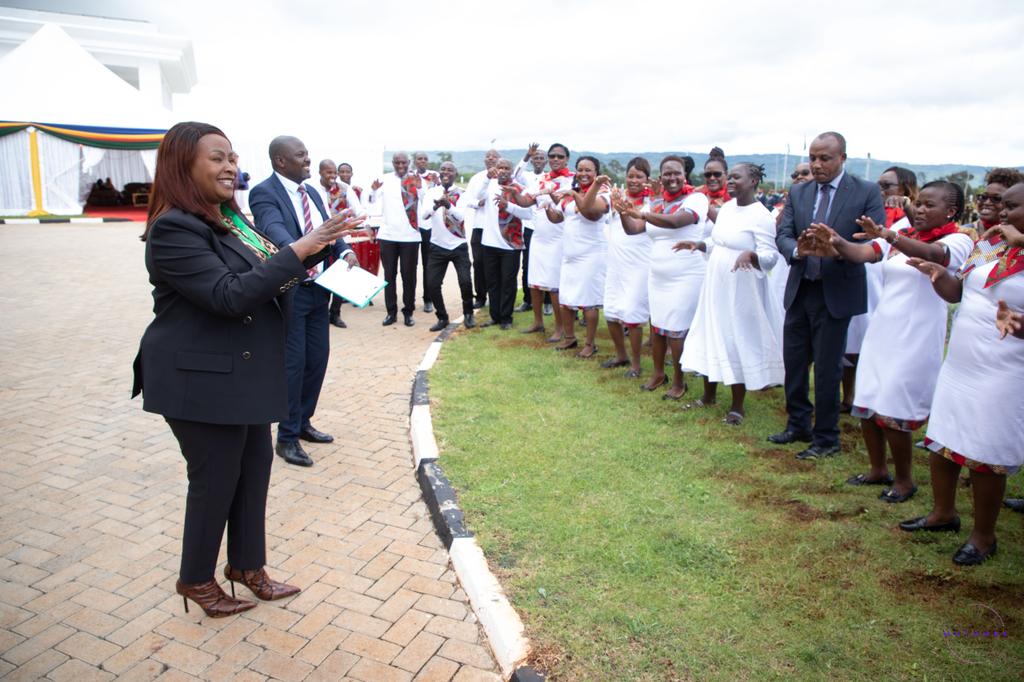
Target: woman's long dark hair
172,183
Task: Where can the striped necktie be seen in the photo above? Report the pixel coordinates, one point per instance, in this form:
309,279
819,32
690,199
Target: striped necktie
308,225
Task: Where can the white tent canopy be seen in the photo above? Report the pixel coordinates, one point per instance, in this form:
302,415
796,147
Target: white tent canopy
51,79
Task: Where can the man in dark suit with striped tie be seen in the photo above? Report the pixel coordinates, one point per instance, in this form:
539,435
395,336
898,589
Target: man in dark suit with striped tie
822,293
284,208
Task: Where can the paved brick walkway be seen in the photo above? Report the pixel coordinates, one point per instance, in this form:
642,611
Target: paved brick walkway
92,492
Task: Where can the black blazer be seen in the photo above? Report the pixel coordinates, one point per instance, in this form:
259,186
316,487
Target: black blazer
844,283
214,352
274,213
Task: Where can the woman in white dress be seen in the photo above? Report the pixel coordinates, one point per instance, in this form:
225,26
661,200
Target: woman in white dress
625,283
736,337
903,345
675,278
899,190
584,210
545,253
976,418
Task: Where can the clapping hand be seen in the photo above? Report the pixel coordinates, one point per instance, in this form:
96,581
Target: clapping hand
654,186
816,240
602,181
1011,234
325,235
377,184
492,172
870,227
933,270
1009,321
501,202
746,261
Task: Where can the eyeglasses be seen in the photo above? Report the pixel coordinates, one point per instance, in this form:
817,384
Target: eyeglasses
713,174
556,156
882,185
994,198
796,174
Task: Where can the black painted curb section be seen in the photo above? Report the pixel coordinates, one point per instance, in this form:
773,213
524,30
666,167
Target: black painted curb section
439,495
446,332
420,389
526,674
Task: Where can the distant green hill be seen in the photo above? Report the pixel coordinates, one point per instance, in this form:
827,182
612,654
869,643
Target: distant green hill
472,161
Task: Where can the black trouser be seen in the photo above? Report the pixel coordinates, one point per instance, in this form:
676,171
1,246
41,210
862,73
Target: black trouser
479,262
502,268
811,334
425,258
228,476
390,255
437,267
336,302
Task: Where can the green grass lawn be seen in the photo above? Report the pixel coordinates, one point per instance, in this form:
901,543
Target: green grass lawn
639,541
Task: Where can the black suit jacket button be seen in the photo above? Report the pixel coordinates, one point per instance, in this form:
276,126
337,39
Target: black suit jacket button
247,319
246,355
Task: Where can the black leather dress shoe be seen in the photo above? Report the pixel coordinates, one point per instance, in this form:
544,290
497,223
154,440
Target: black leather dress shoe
1016,504
293,453
439,325
388,320
788,436
428,307
487,323
969,555
469,320
409,321
477,305
920,523
338,322
505,326
524,308
314,436
818,452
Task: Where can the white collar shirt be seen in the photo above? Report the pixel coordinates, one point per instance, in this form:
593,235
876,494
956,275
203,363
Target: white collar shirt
291,188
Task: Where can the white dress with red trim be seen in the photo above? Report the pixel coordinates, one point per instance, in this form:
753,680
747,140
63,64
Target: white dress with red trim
675,277
736,336
859,323
546,243
976,410
902,349
584,257
625,282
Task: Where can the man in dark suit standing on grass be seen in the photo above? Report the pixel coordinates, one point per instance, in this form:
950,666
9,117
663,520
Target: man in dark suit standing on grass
285,208
822,293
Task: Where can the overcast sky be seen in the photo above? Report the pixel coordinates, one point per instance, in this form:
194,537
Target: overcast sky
921,82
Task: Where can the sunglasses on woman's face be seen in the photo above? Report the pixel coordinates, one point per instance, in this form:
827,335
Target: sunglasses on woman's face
994,198
556,156
713,174
796,174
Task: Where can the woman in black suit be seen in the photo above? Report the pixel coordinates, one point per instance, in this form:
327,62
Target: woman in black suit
212,360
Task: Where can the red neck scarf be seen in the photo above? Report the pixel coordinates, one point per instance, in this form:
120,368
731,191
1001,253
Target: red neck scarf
892,215
985,225
716,198
932,235
563,173
669,198
638,199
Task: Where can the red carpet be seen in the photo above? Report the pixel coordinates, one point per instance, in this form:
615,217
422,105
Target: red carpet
123,212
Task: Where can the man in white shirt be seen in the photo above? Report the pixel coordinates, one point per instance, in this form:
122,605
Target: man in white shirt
537,159
502,239
284,207
442,210
474,187
337,196
398,196
429,178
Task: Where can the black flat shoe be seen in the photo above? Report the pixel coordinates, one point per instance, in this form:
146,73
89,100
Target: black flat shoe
388,321
891,496
477,305
505,326
314,436
920,523
788,436
338,322
409,321
428,307
439,325
1016,504
487,323
293,453
862,479
469,321
818,452
969,555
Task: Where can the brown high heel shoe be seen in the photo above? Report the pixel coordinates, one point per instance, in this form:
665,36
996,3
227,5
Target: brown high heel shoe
260,583
211,599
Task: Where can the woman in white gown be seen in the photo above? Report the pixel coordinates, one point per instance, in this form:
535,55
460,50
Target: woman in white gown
976,418
675,278
584,211
736,337
625,282
903,345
